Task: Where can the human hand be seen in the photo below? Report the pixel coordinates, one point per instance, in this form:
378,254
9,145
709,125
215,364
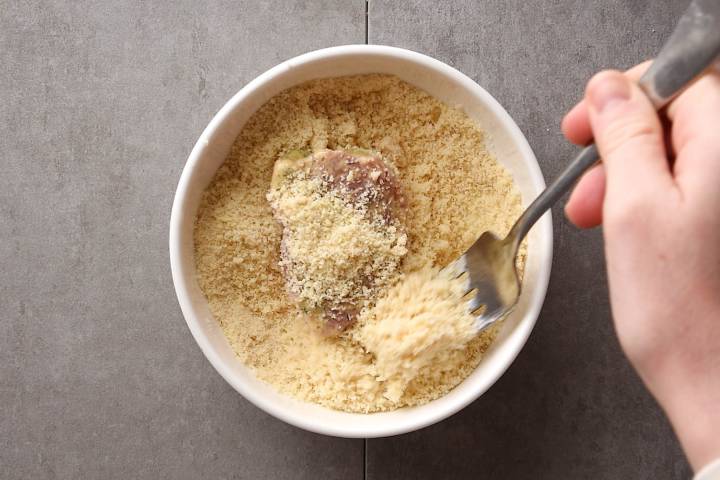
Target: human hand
657,194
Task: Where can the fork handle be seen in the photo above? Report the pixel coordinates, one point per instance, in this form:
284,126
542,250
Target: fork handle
690,50
586,159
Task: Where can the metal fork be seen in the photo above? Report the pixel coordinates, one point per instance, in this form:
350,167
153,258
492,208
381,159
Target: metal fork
490,263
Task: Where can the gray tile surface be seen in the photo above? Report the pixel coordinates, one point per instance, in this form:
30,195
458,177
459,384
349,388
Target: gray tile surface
100,103
570,406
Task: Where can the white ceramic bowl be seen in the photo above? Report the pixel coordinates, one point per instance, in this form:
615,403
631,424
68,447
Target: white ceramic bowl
504,140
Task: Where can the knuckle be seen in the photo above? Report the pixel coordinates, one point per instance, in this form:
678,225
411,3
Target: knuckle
599,77
629,215
619,219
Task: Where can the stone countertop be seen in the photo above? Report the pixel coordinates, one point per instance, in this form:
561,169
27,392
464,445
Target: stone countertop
101,103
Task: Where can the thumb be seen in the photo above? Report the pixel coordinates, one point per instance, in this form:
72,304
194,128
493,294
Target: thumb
628,135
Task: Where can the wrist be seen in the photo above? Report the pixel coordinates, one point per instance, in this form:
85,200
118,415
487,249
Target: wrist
693,408
684,376
709,472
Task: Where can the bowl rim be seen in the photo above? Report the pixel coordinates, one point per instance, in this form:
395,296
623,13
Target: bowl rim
407,424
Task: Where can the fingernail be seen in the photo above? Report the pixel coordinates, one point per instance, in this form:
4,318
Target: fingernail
608,90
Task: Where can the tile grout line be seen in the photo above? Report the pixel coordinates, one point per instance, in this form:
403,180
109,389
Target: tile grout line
367,41
365,441
367,21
